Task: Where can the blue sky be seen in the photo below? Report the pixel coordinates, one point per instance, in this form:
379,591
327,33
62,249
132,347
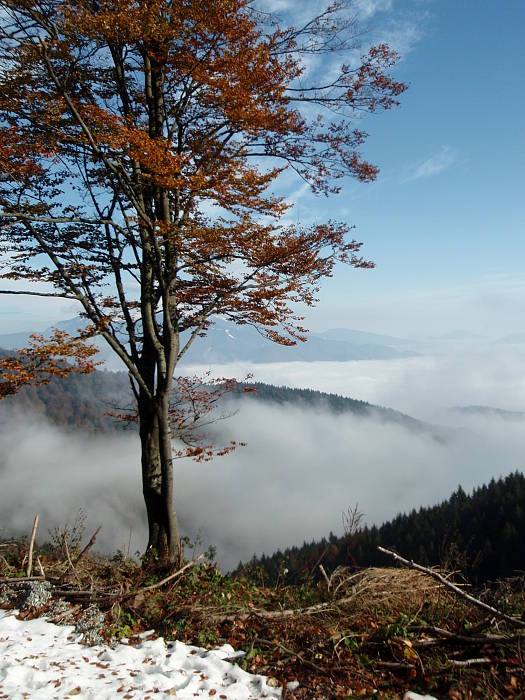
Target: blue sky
444,221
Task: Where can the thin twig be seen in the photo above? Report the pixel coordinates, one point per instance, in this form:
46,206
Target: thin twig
13,580
472,662
31,546
87,547
37,294
465,638
479,603
395,665
66,548
7,564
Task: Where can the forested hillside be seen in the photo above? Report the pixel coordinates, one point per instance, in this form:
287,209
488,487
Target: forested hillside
81,402
480,533
337,404
76,402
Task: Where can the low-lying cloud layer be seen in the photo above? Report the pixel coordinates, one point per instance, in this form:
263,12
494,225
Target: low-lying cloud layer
420,386
302,466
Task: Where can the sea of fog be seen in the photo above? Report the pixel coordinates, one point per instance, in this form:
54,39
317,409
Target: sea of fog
302,467
421,386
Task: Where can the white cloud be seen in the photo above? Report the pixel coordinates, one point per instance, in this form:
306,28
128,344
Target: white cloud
274,5
402,34
368,8
436,164
484,374
491,307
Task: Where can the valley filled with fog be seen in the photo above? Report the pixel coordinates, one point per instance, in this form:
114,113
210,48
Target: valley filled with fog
303,465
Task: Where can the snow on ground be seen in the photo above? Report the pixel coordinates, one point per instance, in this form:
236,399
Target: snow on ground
39,659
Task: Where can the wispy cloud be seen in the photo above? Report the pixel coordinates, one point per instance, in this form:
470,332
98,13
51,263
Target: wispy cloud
402,33
274,5
436,164
364,9
368,8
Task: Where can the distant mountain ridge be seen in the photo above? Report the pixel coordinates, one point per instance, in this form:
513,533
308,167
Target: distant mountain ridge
227,342
489,411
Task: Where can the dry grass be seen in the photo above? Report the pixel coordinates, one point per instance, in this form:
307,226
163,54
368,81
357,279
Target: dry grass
393,589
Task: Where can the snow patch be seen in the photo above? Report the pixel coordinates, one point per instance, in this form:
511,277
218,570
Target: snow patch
44,660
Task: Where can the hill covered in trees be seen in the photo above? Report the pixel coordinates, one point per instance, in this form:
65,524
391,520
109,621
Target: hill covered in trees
79,401
319,400
480,533
83,402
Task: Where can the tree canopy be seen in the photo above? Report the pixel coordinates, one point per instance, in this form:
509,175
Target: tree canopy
140,147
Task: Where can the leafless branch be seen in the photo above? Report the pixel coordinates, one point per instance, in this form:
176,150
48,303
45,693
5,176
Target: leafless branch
484,660
38,294
87,547
31,546
475,601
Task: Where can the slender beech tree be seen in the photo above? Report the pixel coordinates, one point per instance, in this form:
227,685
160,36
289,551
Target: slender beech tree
140,145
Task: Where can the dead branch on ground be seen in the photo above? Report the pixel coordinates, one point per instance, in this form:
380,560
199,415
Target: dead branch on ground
475,601
466,663
164,581
31,546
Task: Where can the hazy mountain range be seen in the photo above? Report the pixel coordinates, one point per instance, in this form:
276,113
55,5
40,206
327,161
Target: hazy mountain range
228,342
490,411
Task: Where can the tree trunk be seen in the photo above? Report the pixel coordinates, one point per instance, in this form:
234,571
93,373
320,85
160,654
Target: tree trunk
157,483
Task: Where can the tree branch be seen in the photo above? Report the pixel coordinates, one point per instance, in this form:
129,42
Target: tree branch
20,216
39,294
479,603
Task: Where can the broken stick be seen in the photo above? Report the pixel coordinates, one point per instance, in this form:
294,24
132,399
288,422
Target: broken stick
31,546
475,601
87,547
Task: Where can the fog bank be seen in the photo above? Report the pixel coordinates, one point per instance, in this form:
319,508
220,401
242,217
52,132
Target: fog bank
420,386
301,469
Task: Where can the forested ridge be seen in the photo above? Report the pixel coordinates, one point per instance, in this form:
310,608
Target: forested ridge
320,400
479,533
83,401
79,401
